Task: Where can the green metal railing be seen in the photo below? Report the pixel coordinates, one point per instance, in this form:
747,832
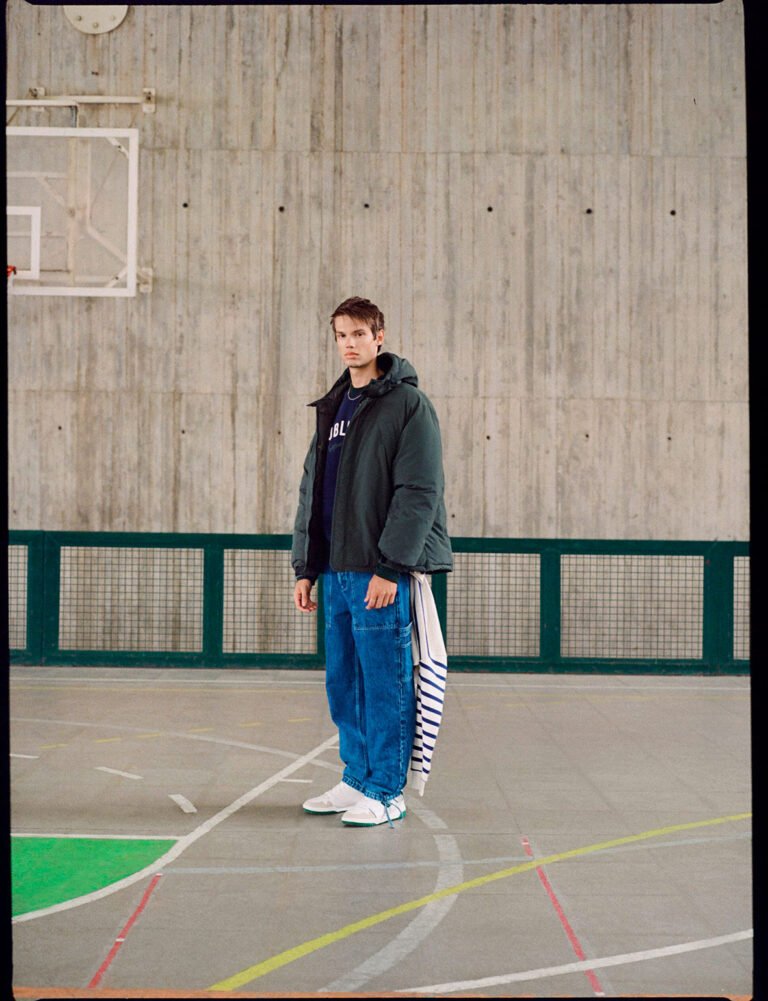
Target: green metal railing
529,605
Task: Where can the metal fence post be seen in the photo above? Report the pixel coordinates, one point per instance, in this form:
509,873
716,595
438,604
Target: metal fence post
717,612
51,592
549,599
440,594
213,602
35,596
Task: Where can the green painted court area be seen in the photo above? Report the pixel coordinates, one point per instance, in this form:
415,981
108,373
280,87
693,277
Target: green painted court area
48,871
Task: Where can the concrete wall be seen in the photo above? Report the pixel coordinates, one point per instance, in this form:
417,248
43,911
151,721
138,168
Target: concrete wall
547,202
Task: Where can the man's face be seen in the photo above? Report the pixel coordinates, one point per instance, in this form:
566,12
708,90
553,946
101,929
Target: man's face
357,344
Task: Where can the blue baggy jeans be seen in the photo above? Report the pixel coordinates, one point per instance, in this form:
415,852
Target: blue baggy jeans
369,683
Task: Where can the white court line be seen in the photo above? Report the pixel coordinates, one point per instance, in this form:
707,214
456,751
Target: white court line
183,843
182,734
151,682
116,771
426,920
31,757
299,682
104,837
590,964
183,802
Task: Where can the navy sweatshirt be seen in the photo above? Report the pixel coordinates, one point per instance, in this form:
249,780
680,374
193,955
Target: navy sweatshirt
344,415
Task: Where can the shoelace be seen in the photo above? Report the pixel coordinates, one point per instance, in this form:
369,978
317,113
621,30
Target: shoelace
386,811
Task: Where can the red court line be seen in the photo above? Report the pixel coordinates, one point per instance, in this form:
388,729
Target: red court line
124,933
572,937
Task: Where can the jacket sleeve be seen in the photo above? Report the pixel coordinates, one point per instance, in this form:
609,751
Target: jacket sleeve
300,547
418,484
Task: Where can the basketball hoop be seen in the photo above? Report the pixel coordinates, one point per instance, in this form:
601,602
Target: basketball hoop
10,272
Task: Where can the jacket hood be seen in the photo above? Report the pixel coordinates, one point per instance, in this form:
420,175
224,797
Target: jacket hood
394,371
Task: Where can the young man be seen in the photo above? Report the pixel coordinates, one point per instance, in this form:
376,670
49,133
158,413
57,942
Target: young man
371,510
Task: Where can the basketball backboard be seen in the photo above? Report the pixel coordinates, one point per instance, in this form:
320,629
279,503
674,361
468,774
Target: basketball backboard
72,210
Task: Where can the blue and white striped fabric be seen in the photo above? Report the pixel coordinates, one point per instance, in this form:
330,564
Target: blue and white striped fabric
430,668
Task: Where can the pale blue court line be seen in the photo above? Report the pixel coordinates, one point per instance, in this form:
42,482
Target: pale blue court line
262,870
265,870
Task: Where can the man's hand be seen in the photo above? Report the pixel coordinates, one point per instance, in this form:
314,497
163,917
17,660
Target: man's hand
301,596
380,593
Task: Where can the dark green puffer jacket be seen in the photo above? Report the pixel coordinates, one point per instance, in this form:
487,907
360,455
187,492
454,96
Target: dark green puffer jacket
389,511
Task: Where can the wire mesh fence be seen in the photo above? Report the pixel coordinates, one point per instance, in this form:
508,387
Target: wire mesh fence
741,592
126,598
493,605
17,597
632,606
509,604
258,618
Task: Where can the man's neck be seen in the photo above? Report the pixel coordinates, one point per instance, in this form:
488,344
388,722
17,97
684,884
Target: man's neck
360,377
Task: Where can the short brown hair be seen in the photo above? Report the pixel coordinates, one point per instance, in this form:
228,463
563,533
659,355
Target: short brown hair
362,310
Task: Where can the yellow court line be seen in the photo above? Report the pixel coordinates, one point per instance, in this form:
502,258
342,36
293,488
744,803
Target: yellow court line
297,952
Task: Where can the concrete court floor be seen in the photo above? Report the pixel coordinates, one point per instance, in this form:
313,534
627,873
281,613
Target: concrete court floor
633,791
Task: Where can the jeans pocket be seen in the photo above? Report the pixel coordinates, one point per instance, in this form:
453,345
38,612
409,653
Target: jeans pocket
375,619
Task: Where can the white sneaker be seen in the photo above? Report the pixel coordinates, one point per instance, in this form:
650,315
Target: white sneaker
369,812
336,800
